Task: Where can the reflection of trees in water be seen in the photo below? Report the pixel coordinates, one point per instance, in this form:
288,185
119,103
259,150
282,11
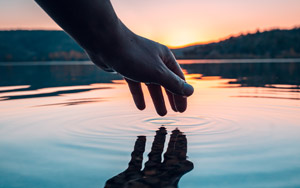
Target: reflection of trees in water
46,76
247,74
251,74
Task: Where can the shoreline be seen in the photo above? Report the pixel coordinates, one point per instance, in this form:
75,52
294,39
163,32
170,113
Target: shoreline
180,61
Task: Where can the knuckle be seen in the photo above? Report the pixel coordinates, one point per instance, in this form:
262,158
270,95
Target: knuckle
165,52
166,49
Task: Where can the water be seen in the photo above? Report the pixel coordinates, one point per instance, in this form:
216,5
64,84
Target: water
73,125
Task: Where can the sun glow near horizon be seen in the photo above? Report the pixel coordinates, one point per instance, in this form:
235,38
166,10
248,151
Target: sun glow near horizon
172,22
179,38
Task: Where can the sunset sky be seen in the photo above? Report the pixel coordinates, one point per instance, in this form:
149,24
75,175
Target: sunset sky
173,22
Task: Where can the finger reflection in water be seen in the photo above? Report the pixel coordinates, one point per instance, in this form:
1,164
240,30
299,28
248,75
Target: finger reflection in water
156,173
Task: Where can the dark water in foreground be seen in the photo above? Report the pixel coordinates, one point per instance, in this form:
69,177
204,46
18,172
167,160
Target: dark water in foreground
73,125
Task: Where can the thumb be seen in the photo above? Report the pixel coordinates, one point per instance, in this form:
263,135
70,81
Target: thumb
175,84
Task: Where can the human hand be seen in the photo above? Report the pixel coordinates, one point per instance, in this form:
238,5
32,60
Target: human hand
156,174
138,60
113,47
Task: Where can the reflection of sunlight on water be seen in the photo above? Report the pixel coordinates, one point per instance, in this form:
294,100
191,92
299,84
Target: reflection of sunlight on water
8,88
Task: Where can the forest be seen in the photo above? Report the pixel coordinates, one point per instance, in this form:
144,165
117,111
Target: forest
41,45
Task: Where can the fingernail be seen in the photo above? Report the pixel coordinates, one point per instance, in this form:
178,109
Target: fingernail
188,90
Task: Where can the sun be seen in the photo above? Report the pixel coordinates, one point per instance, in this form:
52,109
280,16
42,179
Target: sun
180,38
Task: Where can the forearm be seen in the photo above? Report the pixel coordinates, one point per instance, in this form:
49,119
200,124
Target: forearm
92,23
113,47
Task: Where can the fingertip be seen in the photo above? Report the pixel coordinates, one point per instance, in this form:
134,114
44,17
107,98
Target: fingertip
141,137
162,113
174,109
158,99
176,85
141,106
181,103
188,89
181,110
137,94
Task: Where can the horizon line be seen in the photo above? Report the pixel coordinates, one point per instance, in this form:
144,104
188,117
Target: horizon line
180,46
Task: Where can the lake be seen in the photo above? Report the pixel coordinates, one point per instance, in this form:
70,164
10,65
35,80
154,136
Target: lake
70,124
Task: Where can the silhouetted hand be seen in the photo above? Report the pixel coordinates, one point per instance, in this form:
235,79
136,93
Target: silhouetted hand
113,47
142,60
156,174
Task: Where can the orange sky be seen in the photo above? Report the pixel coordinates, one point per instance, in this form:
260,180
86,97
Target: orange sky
173,22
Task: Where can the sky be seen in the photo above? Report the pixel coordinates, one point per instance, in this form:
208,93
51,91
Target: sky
173,22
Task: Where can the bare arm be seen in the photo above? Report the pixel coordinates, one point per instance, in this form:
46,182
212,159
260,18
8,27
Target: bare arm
113,47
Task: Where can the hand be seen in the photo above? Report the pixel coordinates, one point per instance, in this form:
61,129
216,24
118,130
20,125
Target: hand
113,47
141,60
156,174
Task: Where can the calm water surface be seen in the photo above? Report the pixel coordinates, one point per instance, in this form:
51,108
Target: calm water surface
73,125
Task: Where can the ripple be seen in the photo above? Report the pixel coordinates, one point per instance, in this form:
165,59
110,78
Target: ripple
208,134
232,141
196,125
105,130
161,121
177,121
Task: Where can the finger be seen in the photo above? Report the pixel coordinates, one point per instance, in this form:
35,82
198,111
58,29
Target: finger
181,147
173,83
135,163
171,63
180,103
156,151
171,100
157,98
170,153
137,93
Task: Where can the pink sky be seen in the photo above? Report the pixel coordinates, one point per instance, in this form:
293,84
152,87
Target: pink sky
173,22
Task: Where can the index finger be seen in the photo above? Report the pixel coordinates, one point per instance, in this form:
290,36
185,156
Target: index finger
179,101
135,163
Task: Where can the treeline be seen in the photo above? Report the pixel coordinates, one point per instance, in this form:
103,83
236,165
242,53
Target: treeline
41,45
268,44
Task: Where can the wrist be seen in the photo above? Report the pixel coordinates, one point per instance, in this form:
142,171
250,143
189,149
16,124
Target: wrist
109,39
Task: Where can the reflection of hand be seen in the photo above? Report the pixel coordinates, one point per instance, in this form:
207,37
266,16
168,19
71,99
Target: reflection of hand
156,174
141,60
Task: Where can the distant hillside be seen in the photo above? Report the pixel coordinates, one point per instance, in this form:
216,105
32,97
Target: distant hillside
57,46
39,46
269,44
